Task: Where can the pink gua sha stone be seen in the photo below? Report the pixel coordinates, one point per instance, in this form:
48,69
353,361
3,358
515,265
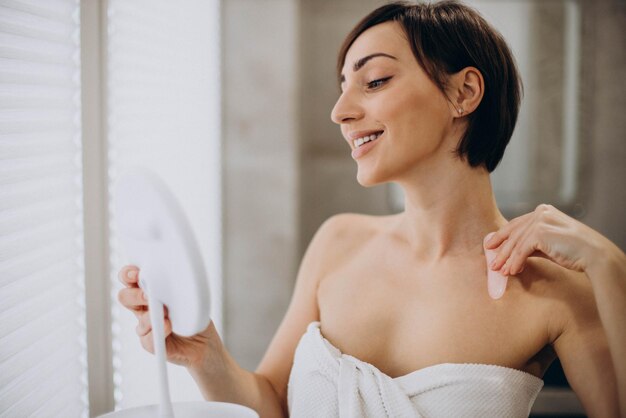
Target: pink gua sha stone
496,282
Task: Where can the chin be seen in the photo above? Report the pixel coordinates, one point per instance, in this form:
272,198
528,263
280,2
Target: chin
368,179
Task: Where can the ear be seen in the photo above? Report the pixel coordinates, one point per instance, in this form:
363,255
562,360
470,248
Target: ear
466,91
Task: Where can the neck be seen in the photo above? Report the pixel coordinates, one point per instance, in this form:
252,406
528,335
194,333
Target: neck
448,214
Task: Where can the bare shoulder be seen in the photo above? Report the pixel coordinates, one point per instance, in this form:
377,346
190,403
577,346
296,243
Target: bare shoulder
331,244
344,233
349,224
567,294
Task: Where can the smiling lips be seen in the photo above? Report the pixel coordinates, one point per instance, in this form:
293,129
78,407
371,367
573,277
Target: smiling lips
363,142
366,138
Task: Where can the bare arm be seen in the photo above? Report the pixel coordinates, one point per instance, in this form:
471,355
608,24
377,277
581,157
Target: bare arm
607,273
582,345
592,346
220,378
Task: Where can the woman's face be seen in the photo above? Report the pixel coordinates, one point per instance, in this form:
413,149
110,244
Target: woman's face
387,95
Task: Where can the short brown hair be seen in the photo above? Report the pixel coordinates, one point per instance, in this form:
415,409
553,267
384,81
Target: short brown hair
446,37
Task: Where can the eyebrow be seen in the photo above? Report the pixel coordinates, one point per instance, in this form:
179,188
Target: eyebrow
361,62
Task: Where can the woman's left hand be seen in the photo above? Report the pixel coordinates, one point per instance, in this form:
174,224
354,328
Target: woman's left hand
546,232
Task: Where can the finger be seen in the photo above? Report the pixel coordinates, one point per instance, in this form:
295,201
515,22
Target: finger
144,326
167,327
531,246
525,246
133,299
147,340
147,343
504,252
129,276
502,234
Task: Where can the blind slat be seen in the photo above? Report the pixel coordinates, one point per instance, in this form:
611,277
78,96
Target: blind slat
71,410
20,167
39,145
14,121
48,234
14,292
29,192
24,96
14,46
52,9
22,72
49,169
38,313
36,389
45,349
37,27
28,216
14,268
42,301
56,405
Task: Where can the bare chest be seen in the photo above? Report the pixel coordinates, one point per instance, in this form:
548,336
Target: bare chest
403,319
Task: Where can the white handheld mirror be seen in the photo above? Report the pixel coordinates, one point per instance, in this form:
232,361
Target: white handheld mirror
156,237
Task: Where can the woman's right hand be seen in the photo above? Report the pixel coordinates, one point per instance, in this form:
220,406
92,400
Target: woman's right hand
190,352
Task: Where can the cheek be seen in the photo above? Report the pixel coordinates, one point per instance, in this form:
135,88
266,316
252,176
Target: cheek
418,115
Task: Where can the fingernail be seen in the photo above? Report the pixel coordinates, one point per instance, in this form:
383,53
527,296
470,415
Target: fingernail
132,274
488,237
493,264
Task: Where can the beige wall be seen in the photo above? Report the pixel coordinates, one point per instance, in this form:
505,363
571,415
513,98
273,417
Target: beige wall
260,186
287,168
604,99
328,181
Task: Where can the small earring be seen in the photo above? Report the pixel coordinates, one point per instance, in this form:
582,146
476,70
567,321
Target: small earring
460,111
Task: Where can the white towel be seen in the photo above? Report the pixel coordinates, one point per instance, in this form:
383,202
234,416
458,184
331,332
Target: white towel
326,383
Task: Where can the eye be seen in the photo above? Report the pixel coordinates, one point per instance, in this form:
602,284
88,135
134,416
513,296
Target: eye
374,84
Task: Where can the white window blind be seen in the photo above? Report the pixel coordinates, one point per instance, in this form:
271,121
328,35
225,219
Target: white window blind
42,312
163,102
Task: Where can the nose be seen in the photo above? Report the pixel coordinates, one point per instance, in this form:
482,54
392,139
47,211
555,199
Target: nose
346,109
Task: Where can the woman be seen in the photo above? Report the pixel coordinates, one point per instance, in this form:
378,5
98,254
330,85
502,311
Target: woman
390,315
